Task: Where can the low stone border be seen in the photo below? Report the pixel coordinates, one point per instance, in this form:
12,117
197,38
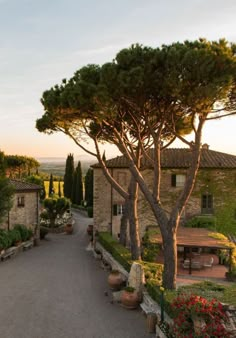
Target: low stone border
108,258
15,250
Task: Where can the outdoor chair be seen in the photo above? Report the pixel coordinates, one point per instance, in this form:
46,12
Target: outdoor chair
194,264
209,263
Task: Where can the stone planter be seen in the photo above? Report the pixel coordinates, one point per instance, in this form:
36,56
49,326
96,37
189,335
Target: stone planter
69,229
115,280
129,298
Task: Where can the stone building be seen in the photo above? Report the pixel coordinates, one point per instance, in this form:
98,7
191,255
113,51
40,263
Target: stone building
214,192
25,209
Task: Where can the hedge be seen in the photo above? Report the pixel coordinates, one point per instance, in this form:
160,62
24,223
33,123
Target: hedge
118,251
152,271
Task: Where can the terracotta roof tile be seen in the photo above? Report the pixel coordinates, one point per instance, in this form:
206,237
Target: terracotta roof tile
180,158
20,185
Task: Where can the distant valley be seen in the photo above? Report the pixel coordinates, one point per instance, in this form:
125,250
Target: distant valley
56,165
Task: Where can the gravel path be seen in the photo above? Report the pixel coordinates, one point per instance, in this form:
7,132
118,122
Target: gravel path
57,290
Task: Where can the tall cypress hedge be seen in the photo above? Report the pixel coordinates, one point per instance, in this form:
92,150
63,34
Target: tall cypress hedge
89,187
69,176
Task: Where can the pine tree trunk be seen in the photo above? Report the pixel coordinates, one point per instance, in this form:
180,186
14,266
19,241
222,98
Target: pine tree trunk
124,224
133,221
170,258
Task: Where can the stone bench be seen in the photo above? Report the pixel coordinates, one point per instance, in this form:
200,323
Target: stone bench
8,254
146,308
27,245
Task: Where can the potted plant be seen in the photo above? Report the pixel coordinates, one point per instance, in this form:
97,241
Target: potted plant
90,229
129,298
69,228
115,280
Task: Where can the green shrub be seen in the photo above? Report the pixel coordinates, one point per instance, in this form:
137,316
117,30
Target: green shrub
208,222
149,249
44,215
90,211
24,233
5,241
15,236
118,251
152,271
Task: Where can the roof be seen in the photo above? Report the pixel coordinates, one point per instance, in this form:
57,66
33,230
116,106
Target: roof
195,237
180,158
24,186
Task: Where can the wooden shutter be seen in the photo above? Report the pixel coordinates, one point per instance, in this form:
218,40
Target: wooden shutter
114,209
173,180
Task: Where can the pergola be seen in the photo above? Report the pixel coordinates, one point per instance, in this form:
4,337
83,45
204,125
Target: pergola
194,238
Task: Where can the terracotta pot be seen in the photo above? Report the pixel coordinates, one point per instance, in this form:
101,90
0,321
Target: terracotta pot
90,229
69,229
130,300
17,243
115,280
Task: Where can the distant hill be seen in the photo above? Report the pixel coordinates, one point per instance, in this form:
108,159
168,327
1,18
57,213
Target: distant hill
56,165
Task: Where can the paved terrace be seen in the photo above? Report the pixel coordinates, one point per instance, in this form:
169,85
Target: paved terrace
57,290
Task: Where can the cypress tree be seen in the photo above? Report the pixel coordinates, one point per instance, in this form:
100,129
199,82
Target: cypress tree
50,190
89,187
79,184
69,175
2,164
6,190
73,192
59,188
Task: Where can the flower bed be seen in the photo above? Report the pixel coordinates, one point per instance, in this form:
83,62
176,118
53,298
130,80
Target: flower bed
195,316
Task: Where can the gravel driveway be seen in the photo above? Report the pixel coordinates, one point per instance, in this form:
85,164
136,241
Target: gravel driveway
57,290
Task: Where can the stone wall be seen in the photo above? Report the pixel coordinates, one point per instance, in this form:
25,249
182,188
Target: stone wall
27,214
218,182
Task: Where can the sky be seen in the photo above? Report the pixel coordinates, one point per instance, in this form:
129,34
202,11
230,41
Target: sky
43,42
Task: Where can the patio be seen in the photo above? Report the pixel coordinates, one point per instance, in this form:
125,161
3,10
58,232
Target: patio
196,249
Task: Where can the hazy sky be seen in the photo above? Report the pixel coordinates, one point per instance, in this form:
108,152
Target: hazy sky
42,42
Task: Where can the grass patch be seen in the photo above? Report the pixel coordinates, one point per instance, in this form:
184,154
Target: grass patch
210,290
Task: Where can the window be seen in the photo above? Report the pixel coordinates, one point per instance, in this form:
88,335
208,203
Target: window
178,180
118,209
207,204
20,201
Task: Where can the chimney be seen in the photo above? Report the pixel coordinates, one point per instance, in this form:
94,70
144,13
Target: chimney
205,146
